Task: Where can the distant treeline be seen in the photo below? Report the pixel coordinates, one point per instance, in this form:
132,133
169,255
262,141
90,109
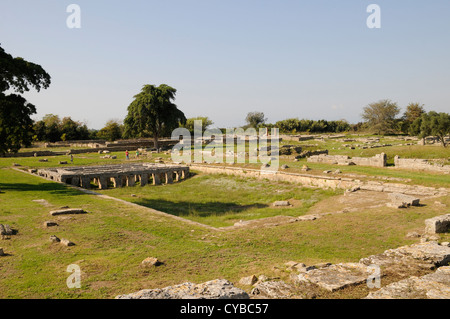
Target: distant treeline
294,125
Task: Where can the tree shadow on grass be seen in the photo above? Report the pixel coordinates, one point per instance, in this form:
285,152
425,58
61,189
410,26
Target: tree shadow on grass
52,188
196,209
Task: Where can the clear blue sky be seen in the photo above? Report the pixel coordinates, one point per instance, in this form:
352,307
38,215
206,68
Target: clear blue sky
311,59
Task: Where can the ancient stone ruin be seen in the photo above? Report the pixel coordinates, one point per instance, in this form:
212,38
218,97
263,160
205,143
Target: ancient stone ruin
378,160
214,289
420,164
116,175
438,224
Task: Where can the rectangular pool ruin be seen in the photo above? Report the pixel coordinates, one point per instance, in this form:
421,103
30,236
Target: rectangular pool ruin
119,175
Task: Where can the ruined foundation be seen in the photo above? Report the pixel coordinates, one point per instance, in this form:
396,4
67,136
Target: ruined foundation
378,160
116,175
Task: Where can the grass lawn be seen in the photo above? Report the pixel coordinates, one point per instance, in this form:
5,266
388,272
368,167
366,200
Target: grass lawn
221,200
113,238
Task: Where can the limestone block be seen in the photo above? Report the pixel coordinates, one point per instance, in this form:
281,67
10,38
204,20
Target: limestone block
214,289
5,230
422,255
50,224
337,276
399,200
67,211
281,203
67,242
431,286
248,281
150,261
273,290
439,224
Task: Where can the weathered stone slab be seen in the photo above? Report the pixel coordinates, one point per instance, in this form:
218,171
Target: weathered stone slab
281,203
248,281
439,224
336,276
307,217
5,230
214,289
50,224
150,261
399,200
273,290
431,286
427,255
67,211
430,252
66,242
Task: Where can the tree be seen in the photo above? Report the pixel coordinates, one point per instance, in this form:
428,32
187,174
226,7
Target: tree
112,131
254,119
291,125
413,112
16,125
152,113
48,129
380,116
432,124
206,122
71,130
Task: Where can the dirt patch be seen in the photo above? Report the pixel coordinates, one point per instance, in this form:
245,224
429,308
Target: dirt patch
42,202
349,201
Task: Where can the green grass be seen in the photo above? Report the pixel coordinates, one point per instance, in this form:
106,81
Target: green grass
79,160
220,200
429,179
113,238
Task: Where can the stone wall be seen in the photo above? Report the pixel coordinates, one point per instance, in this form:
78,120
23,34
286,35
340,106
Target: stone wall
378,160
310,180
420,164
303,179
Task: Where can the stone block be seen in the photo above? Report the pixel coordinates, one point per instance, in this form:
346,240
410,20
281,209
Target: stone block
248,281
439,224
150,261
50,224
282,203
431,286
337,276
273,290
67,211
214,289
399,200
67,242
